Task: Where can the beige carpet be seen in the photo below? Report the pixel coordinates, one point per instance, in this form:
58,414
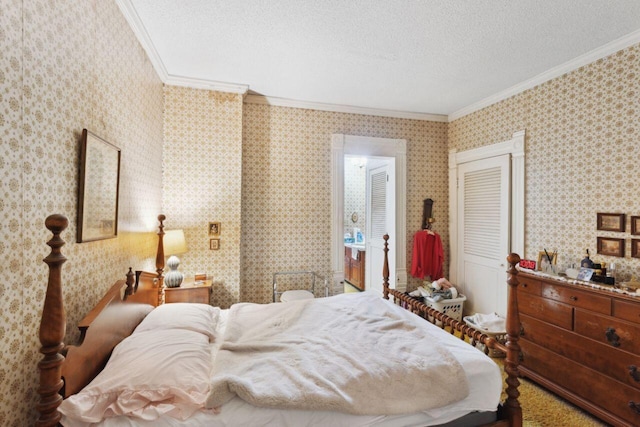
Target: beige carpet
541,408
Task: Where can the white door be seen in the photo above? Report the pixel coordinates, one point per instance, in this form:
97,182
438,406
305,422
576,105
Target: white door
380,221
483,237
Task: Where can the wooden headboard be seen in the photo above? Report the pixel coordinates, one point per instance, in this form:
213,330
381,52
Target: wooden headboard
64,370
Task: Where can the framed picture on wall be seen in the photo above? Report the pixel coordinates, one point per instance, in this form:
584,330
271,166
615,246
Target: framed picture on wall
214,228
611,246
635,225
214,244
611,222
98,189
635,248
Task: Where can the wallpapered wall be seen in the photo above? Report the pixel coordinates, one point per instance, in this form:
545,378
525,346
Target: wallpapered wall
65,66
202,182
355,189
582,154
286,187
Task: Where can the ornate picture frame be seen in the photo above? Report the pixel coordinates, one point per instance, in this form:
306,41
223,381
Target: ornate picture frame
635,225
611,246
98,189
611,221
635,248
214,228
214,244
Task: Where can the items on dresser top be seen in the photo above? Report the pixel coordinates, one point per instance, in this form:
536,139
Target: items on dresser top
582,341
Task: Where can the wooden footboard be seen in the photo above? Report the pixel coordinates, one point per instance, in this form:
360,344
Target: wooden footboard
510,412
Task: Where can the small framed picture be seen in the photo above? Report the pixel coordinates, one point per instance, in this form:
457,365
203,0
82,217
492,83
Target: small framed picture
546,258
214,229
611,222
214,244
635,225
635,248
611,246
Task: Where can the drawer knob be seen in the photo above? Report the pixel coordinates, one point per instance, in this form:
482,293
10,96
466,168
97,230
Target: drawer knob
573,298
633,371
635,406
612,337
524,285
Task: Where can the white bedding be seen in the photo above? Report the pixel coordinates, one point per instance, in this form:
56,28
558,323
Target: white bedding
483,377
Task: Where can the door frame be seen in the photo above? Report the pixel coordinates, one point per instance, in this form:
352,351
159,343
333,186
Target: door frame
515,147
368,147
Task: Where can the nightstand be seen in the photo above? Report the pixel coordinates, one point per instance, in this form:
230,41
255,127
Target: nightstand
189,291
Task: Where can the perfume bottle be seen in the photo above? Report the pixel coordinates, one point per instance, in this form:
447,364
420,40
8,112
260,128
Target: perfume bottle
586,262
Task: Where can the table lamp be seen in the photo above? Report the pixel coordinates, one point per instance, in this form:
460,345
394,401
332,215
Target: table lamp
174,244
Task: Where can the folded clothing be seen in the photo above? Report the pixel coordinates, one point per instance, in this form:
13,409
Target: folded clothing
489,322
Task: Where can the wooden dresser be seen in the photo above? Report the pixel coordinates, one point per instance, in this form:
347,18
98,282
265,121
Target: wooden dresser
354,267
583,344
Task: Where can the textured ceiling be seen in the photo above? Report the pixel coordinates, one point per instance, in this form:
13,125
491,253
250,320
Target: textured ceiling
421,56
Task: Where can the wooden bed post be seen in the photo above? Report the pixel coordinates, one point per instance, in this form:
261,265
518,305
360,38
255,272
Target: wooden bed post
52,329
385,268
512,405
160,259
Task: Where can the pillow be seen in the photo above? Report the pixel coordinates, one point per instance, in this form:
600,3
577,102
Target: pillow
201,318
149,374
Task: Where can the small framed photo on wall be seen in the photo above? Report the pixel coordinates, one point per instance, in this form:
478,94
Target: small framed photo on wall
214,228
611,246
635,225
611,222
214,244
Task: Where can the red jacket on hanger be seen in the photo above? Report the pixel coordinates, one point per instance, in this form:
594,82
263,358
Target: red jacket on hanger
427,255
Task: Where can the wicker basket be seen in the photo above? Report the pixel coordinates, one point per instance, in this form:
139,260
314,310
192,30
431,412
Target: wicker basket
451,307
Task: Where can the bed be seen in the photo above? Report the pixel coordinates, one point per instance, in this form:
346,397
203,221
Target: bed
145,363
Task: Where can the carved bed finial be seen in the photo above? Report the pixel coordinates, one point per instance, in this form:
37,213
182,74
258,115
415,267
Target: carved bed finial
385,268
160,259
512,405
52,328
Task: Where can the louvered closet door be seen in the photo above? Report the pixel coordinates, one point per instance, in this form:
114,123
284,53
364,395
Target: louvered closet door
380,204
483,241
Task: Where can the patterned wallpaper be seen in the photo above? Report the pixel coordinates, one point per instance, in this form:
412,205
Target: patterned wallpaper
65,66
202,182
355,183
582,154
286,186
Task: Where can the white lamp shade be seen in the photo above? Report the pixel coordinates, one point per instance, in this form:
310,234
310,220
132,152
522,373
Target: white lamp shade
174,242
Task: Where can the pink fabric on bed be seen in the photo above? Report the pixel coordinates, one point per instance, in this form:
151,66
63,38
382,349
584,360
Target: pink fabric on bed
150,374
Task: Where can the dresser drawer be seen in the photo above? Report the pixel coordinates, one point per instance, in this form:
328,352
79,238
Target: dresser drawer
578,298
602,392
620,334
548,310
529,285
627,310
601,357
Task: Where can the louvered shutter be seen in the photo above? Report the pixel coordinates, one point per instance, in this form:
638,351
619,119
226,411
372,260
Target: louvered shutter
482,213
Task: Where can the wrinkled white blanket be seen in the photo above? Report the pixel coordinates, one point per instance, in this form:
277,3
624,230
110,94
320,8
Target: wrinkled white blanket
353,353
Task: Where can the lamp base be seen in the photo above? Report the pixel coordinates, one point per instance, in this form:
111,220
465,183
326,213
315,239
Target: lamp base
173,279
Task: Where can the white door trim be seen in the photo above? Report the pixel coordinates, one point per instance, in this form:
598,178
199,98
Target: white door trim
514,147
368,147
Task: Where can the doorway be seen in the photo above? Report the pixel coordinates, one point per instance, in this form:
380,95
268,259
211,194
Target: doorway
369,214
368,147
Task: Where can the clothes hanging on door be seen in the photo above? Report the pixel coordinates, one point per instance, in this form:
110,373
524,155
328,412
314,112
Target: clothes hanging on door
427,255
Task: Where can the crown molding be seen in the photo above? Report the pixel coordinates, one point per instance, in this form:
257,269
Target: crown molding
132,17
207,84
284,102
582,60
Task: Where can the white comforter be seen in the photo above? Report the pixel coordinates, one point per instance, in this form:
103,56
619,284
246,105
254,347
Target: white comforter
348,353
